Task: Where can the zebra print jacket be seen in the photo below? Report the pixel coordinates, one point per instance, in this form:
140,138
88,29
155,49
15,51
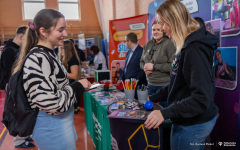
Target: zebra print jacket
48,88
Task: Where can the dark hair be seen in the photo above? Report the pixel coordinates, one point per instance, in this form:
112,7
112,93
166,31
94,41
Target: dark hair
21,30
200,21
72,41
45,18
117,63
132,37
155,22
94,49
218,51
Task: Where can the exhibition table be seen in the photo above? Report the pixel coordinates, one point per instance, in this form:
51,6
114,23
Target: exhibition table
108,133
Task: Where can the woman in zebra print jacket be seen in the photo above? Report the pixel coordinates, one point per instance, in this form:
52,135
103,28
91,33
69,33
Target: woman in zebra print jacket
47,85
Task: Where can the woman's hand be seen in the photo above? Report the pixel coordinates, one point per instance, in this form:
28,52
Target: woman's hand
119,82
85,83
154,119
148,68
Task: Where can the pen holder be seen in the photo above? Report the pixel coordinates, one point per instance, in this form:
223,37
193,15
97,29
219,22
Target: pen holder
142,96
106,88
129,95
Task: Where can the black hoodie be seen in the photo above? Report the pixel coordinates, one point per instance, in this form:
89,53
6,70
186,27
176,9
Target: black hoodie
8,57
191,89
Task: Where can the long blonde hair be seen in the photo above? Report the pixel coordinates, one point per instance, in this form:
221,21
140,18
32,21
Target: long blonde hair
176,15
45,18
69,52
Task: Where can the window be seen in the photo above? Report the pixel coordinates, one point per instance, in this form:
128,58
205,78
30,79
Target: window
32,7
69,8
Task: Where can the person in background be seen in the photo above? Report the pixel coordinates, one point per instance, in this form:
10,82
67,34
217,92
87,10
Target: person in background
118,72
222,70
1,49
191,90
99,59
215,13
69,57
156,60
80,53
200,21
132,63
235,14
9,56
47,85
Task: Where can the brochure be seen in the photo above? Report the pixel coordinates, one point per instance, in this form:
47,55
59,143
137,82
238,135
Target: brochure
129,114
94,86
107,102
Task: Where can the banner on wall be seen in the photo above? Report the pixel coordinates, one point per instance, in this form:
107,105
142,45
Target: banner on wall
118,29
226,132
225,62
214,27
229,13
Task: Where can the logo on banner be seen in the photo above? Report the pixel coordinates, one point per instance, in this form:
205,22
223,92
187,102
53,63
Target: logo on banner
122,48
97,128
191,5
137,26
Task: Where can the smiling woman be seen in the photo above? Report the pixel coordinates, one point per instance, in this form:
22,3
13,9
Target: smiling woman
156,59
46,82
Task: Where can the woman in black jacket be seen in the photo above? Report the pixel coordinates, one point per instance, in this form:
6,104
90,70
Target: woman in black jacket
191,89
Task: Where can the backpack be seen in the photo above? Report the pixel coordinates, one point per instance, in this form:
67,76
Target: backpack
18,116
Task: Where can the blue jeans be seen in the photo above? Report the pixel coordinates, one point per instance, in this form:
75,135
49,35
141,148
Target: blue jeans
191,137
154,89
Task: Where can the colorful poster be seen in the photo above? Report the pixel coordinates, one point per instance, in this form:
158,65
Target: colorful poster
225,62
229,13
117,70
214,27
226,131
118,29
88,55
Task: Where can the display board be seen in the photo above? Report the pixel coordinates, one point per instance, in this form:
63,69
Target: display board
118,29
226,131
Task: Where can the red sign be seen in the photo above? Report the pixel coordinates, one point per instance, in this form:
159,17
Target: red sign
118,29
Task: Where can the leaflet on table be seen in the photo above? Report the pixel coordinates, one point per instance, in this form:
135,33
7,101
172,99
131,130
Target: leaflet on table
93,90
115,106
94,86
129,114
100,98
101,94
107,102
117,94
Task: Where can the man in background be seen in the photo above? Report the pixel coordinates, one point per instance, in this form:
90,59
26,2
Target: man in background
132,63
8,57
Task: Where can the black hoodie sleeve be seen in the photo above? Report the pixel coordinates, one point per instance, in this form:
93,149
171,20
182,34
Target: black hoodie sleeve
199,83
9,56
160,96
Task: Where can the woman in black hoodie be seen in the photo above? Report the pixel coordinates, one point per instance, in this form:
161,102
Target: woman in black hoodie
191,89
